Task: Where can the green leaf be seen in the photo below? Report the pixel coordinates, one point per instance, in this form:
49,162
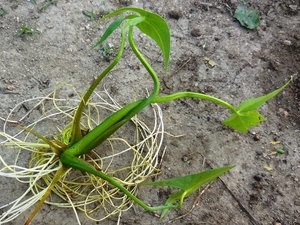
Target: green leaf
242,121
252,104
153,26
188,184
248,17
156,28
247,115
112,27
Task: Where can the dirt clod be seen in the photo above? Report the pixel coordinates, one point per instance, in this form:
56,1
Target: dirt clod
175,14
196,32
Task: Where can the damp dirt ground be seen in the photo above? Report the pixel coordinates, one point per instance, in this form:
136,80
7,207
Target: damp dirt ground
264,187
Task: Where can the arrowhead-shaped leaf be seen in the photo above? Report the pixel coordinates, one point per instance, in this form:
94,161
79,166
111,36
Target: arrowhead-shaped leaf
242,121
188,184
247,115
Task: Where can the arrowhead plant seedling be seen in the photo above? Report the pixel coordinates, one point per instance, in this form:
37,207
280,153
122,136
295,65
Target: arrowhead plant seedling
72,153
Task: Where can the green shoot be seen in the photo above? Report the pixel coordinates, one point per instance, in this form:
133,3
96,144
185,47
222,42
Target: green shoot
90,14
3,12
106,50
26,30
75,149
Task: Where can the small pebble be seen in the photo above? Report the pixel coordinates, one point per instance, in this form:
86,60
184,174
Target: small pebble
287,42
196,32
175,14
255,136
126,2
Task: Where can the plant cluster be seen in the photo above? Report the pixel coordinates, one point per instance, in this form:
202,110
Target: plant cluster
56,158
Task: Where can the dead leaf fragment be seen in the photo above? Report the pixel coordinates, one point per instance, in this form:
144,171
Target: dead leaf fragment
268,168
275,142
210,62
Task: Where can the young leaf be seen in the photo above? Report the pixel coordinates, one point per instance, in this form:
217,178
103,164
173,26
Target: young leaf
153,26
112,27
188,184
132,20
248,17
247,115
157,29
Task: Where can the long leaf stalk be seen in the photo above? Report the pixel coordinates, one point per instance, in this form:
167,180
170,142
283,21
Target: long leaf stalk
76,134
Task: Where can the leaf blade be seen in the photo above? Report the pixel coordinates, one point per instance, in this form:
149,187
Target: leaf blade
247,114
247,16
242,121
157,29
254,103
188,184
154,26
111,28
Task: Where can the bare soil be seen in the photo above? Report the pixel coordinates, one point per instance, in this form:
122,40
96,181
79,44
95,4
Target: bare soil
249,63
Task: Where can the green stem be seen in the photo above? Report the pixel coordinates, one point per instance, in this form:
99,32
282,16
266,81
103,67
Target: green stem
145,63
76,163
152,73
76,133
118,119
100,133
96,136
178,95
